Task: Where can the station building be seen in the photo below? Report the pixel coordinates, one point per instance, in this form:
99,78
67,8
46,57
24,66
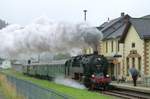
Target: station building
136,41
126,42
111,47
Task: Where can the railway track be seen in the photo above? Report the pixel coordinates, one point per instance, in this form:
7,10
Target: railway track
127,94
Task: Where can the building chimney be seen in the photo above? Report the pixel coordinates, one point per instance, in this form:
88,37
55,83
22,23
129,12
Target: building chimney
122,14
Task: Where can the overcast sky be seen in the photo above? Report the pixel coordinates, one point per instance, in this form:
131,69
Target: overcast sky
24,11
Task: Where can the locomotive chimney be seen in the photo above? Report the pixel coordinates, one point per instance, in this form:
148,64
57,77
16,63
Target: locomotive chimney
95,49
95,52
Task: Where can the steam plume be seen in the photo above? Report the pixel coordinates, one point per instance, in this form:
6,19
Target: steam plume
43,35
68,82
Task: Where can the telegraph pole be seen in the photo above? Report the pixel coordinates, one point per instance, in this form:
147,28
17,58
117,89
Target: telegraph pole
85,11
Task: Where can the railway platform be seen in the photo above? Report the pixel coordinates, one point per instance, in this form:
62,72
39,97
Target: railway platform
129,86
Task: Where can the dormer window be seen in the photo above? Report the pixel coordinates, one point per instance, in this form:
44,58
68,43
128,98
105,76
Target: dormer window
133,45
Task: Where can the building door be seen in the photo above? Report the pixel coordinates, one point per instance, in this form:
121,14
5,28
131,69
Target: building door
111,71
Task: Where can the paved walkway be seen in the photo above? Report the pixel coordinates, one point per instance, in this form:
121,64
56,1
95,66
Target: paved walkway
139,87
139,84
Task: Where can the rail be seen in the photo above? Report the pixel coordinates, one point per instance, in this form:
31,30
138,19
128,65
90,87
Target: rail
127,94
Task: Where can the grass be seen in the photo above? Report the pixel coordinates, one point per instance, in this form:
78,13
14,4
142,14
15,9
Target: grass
7,90
1,92
74,92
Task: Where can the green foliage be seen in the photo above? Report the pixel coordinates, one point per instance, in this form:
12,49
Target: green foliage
3,24
61,56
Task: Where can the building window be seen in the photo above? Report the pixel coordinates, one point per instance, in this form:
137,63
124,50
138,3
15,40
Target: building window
127,62
133,61
112,46
119,70
133,45
118,46
106,46
139,63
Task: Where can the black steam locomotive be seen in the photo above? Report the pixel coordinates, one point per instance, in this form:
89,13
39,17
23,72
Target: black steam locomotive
90,69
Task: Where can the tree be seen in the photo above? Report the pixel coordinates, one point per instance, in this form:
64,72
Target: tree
3,24
61,56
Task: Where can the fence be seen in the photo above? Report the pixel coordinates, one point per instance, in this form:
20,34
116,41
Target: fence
33,91
147,81
144,82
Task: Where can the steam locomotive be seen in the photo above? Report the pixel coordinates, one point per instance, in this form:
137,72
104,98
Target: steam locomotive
89,69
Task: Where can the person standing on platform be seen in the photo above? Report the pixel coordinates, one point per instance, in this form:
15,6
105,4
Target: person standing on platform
134,74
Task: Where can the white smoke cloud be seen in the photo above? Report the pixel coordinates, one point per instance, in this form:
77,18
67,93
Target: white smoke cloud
69,82
43,35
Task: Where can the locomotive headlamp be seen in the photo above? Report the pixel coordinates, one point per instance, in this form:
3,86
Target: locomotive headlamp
107,75
93,75
99,59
